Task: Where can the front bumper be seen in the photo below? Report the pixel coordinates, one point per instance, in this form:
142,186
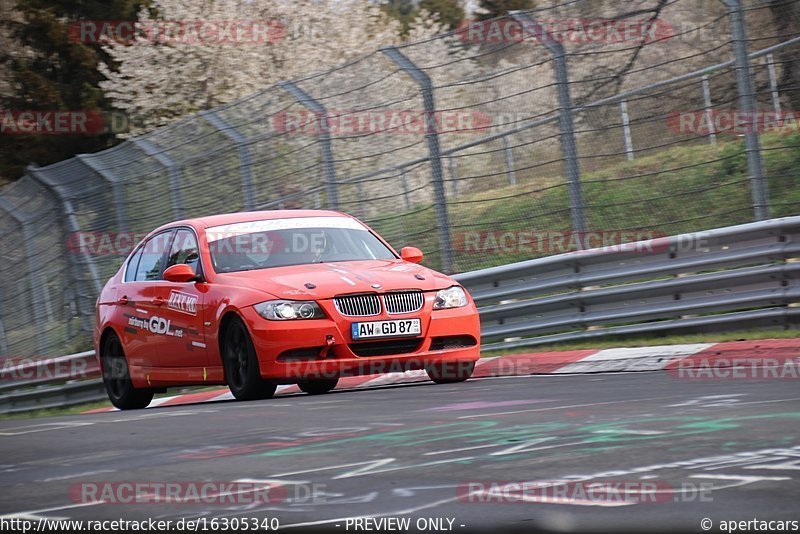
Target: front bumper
289,351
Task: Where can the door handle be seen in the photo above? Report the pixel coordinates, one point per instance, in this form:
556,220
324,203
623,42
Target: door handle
158,301
122,300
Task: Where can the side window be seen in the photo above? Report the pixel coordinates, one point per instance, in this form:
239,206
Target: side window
133,263
184,250
150,264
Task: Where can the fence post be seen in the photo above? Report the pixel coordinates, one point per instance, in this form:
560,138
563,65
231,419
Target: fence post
116,190
773,85
509,156
434,152
360,196
566,123
323,136
404,181
172,168
747,105
69,312
712,131
72,226
37,296
626,130
3,342
451,165
245,161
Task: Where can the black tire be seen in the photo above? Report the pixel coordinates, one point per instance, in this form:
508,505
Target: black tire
117,378
241,364
317,387
450,372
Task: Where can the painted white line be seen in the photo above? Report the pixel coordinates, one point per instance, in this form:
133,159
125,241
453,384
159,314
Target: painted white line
663,351
462,449
41,427
76,475
222,397
630,432
395,378
162,400
633,358
565,407
127,418
743,480
793,399
54,509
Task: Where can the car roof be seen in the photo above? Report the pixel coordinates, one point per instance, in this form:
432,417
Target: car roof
249,216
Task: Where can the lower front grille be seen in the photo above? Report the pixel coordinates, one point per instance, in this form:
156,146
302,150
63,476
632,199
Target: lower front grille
386,348
299,355
453,342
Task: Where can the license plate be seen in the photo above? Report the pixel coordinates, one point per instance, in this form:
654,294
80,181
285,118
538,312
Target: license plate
401,327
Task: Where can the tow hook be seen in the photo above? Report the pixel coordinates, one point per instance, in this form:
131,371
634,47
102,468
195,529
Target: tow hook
328,346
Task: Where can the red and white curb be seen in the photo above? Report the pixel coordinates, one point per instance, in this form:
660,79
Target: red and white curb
557,362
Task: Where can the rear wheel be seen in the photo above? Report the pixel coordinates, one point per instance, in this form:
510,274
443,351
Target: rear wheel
450,372
241,364
317,387
117,378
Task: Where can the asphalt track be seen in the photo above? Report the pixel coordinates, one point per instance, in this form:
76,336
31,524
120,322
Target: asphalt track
721,449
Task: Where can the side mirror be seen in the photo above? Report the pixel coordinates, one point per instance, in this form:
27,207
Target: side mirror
179,273
411,254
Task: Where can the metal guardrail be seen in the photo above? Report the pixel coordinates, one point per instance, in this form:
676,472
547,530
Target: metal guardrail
718,279
50,383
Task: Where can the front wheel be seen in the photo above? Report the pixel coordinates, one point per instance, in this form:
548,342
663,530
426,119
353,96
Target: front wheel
317,387
117,378
241,365
450,372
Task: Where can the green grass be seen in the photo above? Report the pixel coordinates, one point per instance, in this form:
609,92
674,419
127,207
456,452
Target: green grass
677,190
56,412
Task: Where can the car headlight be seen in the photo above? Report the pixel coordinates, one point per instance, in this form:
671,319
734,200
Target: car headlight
452,297
287,310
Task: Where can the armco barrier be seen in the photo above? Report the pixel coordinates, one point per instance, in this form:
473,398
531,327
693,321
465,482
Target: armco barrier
50,383
720,279
715,279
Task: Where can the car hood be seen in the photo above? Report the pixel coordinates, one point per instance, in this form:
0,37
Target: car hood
338,278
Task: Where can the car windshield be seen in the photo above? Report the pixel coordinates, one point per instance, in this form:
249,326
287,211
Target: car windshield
296,241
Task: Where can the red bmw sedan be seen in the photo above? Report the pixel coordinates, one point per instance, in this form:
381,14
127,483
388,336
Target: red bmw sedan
257,299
